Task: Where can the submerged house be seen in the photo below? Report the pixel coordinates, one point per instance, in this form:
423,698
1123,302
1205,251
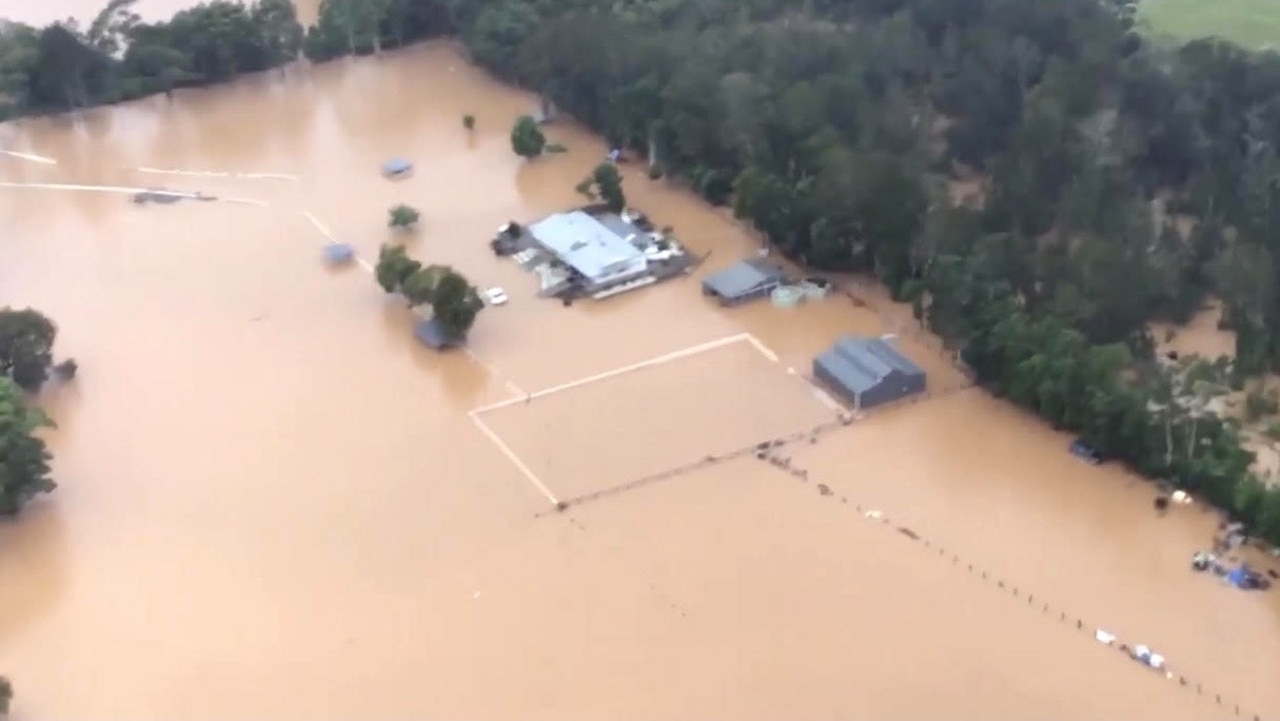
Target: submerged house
868,372
600,257
743,281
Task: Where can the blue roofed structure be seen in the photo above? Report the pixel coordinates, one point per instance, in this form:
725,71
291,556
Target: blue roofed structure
597,253
743,281
868,372
397,168
430,333
339,253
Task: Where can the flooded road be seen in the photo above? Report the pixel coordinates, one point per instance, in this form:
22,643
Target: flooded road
273,502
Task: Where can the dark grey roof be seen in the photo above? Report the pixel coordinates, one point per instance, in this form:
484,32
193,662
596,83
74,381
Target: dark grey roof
851,376
433,335
859,364
743,278
878,355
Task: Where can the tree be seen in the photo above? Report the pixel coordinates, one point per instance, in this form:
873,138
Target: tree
527,139
469,121
608,185
456,304
394,268
402,217
420,288
6,695
26,346
24,459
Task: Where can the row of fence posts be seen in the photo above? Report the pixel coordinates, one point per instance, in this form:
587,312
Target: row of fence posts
1077,623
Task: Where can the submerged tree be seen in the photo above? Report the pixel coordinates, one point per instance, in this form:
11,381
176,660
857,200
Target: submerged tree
402,217
24,459
469,121
6,695
608,185
26,346
394,268
456,304
527,139
420,288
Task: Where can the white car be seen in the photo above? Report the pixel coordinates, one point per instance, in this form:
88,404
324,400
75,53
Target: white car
495,296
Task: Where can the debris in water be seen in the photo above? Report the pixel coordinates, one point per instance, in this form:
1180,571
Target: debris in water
909,533
824,489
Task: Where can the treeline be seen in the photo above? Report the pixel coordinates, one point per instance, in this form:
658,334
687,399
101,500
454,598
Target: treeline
118,57
1114,182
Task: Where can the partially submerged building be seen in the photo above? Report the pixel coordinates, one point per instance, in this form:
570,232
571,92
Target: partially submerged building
433,335
868,372
743,281
397,168
592,252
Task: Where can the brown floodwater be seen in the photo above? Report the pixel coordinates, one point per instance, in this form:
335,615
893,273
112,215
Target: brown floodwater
43,12
274,503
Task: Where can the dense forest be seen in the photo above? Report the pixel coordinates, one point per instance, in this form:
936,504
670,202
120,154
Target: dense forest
1114,181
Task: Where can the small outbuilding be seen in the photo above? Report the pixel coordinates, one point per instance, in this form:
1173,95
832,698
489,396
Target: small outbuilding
397,168
432,334
868,372
743,281
339,253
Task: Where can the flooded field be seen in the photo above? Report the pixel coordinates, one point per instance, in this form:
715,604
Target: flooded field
274,503
83,11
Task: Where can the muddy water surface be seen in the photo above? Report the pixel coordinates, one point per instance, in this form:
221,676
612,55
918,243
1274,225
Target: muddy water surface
274,503
44,12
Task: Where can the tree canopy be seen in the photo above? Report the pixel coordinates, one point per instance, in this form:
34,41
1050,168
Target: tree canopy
454,302
24,460
26,347
527,139
403,217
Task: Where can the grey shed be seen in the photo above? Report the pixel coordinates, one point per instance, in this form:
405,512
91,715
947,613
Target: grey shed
743,281
433,335
868,372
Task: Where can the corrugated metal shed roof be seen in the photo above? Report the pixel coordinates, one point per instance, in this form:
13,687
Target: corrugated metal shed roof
880,353
851,376
743,278
584,243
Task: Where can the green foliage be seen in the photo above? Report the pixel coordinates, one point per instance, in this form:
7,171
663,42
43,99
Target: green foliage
394,268
24,460
456,304
420,288
469,121
527,139
6,695
554,149
26,346
1258,404
608,185
403,217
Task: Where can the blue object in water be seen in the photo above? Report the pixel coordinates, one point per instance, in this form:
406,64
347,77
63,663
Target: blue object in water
396,166
339,253
1238,577
1084,451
